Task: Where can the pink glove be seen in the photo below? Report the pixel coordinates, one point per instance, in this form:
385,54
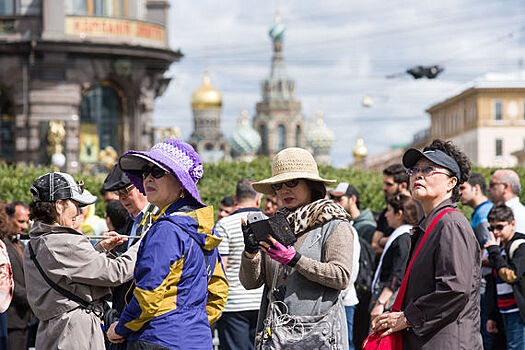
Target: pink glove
284,255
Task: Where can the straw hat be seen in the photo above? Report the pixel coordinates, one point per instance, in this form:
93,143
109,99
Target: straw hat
291,163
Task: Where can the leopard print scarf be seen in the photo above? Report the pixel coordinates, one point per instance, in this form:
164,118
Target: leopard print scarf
315,214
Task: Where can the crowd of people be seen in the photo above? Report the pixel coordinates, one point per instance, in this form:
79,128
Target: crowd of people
291,261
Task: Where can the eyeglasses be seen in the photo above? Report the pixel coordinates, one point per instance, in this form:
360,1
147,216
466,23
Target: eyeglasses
498,227
124,192
155,171
336,199
79,184
290,184
492,184
426,171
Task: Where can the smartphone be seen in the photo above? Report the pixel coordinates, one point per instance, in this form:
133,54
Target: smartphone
259,225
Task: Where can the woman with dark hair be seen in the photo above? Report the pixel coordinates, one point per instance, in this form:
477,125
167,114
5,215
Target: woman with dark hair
441,288
68,278
307,277
401,214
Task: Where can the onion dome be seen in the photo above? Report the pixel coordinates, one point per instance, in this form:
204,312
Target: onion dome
318,136
360,150
206,97
278,29
245,139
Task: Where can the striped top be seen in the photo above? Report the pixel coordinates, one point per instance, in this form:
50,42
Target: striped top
232,246
505,294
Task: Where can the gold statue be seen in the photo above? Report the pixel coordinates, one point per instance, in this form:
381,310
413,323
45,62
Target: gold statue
55,136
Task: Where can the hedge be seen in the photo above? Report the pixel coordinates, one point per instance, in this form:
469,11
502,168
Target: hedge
219,180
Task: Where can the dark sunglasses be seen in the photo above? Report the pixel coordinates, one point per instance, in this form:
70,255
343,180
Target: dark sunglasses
496,227
290,184
155,171
426,171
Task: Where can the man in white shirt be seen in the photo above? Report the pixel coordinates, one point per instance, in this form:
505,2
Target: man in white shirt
237,325
504,187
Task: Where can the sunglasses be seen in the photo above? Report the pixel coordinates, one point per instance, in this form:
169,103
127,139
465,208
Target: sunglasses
124,192
290,184
426,171
155,171
499,227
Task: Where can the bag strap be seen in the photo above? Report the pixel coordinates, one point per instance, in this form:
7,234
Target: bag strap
514,246
83,303
400,296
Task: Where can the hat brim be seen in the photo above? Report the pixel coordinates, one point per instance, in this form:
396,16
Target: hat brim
83,198
412,156
265,186
132,163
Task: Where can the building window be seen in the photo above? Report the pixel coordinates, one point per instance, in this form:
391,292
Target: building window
264,138
281,137
498,110
298,136
499,147
7,127
100,117
105,8
523,109
9,7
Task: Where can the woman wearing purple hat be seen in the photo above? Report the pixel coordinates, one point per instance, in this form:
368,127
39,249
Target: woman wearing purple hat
440,293
181,287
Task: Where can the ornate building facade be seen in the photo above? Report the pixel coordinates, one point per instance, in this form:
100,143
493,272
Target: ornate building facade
94,65
278,118
207,137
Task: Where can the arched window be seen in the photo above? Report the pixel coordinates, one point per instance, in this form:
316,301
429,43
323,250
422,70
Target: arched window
263,131
100,117
281,137
298,136
7,128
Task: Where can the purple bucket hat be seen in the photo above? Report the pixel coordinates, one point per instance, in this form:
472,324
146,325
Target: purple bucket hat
174,156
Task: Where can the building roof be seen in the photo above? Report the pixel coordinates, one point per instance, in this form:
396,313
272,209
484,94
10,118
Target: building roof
487,81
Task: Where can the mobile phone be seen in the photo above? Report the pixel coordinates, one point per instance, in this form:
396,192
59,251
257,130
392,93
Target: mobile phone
259,225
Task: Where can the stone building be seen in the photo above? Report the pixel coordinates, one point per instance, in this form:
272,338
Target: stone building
487,120
279,120
95,66
207,137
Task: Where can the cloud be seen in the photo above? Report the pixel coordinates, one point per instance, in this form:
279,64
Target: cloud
338,52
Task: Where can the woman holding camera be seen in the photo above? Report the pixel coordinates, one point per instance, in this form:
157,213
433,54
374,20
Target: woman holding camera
307,277
59,254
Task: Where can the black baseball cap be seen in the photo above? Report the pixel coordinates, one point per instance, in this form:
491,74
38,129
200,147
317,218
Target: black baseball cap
412,155
55,186
116,180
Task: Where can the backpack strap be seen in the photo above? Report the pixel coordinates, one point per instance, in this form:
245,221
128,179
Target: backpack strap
400,296
90,307
514,246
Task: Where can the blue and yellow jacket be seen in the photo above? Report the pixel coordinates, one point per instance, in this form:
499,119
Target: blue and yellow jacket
181,286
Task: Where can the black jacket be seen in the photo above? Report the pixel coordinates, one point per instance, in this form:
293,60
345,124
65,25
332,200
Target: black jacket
512,270
442,299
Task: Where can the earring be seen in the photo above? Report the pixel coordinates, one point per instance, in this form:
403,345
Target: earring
182,194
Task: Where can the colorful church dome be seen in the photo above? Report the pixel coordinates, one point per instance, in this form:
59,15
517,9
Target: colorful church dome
245,139
360,150
318,135
206,97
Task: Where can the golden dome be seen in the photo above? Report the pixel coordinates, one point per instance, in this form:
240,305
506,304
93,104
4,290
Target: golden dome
360,150
206,97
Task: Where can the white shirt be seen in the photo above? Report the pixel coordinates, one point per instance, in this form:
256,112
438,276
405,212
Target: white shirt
519,213
349,294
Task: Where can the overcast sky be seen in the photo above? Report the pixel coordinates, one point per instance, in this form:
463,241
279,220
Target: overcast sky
339,52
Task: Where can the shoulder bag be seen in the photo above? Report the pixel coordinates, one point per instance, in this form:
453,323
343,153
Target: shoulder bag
394,341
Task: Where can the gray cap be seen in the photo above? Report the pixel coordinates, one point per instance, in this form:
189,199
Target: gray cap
411,157
55,186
